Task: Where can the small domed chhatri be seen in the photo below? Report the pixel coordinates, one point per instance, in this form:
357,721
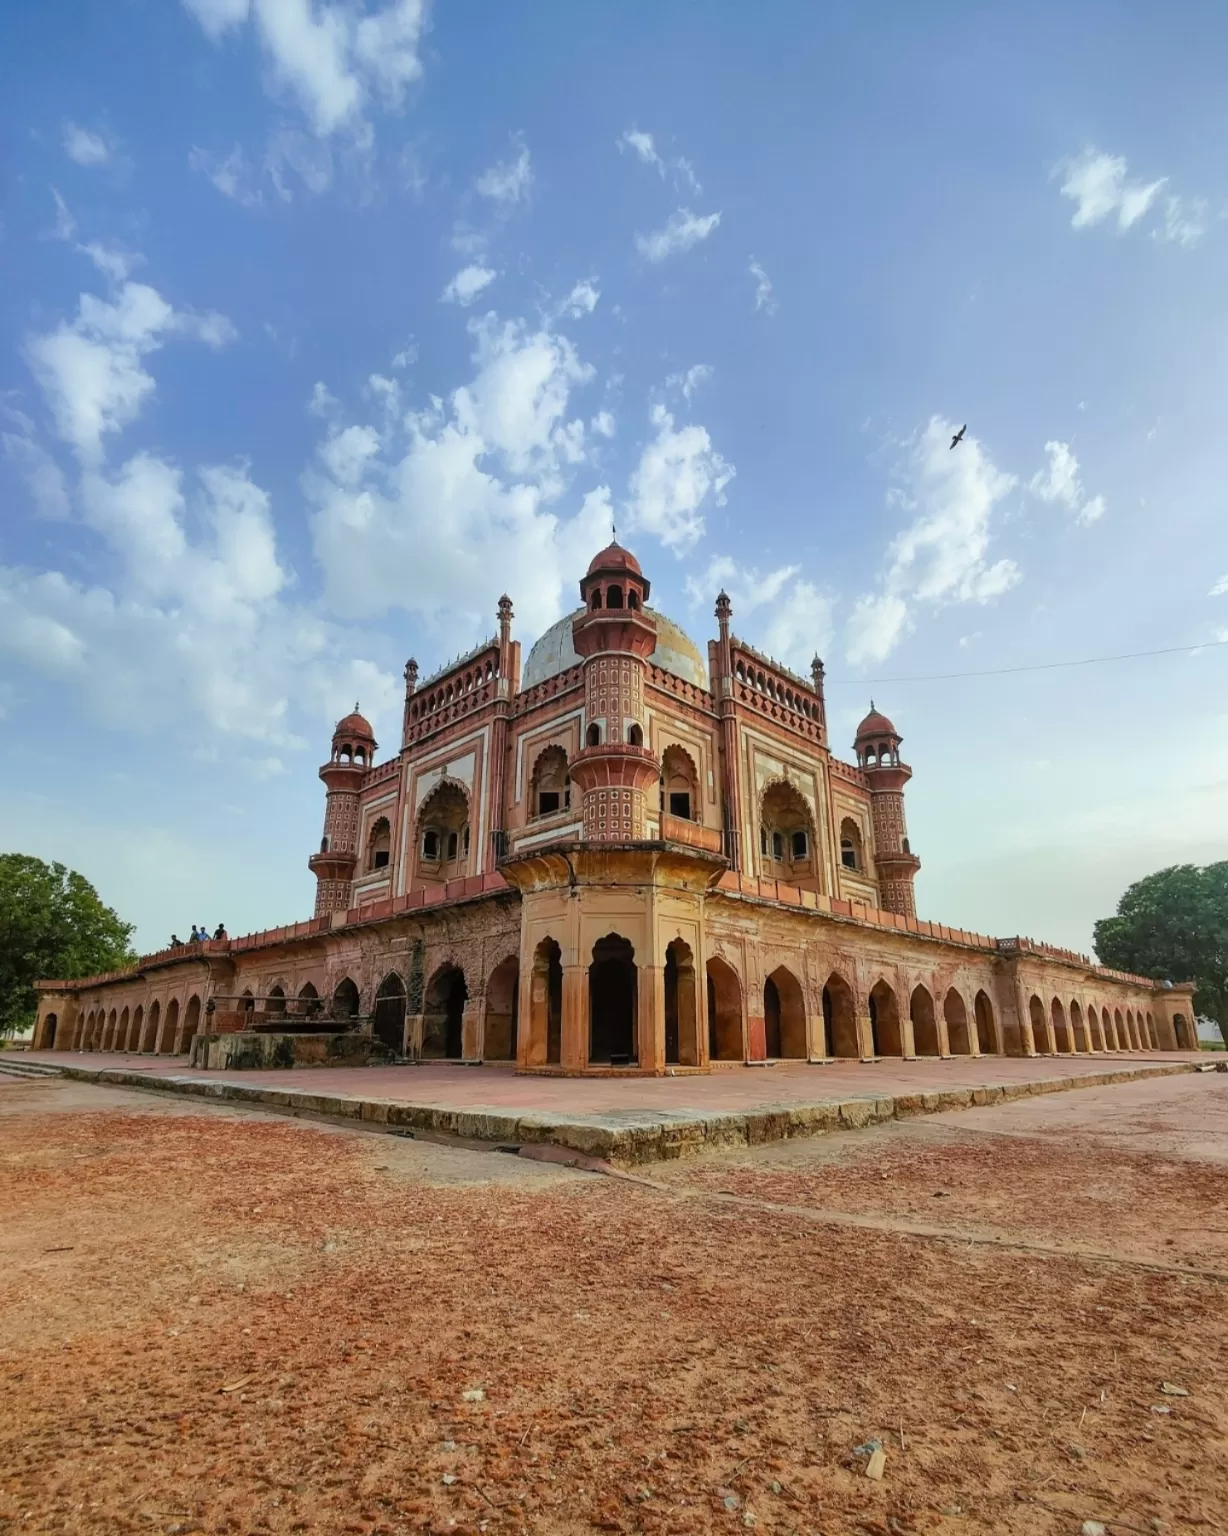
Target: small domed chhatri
634,855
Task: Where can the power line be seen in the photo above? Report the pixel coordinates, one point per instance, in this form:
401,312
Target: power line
1041,666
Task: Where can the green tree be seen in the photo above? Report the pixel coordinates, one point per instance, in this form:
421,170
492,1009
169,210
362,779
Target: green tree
52,924
1173,926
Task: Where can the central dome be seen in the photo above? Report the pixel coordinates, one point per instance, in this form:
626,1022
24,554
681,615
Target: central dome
676,652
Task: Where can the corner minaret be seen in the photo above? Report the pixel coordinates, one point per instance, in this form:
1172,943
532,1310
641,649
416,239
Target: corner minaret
353,752
614,770
877,745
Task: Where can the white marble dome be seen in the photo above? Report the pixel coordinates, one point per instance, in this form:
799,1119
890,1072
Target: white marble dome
676,652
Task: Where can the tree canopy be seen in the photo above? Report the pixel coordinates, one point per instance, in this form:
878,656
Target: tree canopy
1173,925
52,924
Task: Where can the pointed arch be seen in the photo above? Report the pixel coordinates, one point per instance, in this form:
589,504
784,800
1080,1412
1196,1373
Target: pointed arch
681,1012
1062,1042
955,1012
149,1040
840,1018
1078,1033
170,1028
679,784
389,1021
925,1040
191,1023
786,834
784,1013
443,1011
885,1020
345,999
135,1028
545,1044
120,1042
986,1036
1040,1033
726,1039
549,783
502,1010
613,982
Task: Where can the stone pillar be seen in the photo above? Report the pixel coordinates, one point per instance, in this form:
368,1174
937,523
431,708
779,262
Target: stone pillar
756,1033
865,1036
944,1034
575,1027
473,1030
650,995
816,1042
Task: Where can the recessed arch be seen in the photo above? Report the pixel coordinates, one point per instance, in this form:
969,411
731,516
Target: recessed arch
549,784
1078,1032
546,1004
982,1008
613,1000
441,831
136,1027
1062,1042
784,1016
345,999
955,1012
120,1043
840,1018
924,1022
389,1022
275,1002
885,1020
170,1028
379,844
443,1013
149,1040
679,784
1036,1017
852,847
725,1036
108,1033
681,1010
502,1010
786,835
191,1023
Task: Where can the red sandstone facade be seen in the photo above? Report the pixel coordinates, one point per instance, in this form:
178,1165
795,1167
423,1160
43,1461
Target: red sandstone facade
625,858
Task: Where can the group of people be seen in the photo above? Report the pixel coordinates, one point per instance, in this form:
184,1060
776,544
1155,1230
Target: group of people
199,935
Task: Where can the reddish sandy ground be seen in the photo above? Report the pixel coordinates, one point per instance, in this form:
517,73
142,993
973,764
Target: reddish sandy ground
222,1321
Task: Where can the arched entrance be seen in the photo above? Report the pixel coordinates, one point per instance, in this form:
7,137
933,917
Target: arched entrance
191,1023
1093,1029
443,1013
681,1023
1062,1042
1078,1033
1119,1030
955,1012
108,1034
924,1024
786,836
134,1029
345,999
502,1010
1040,1035
885,1021
308,1001
612,996
724,1013
121,1034
546,1004
390,1013
784,1016
170,1025
983,1010
50,1024
149,1041
1183,1033
840,1018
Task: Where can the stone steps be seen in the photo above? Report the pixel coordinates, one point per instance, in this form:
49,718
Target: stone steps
11,1065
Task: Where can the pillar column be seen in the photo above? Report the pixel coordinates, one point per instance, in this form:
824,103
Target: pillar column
650,993
473,1030
816,1043
944,1034
573,1049
865,1037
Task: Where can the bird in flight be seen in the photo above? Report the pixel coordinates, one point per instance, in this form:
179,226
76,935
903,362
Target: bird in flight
959,436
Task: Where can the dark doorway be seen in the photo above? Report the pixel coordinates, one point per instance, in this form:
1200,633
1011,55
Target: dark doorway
612,1002
345,1000
771,1018
49,1034
390,1013
444,1013
681,1034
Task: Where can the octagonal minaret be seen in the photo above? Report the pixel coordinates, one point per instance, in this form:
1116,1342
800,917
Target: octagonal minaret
614,770
877,745
353,752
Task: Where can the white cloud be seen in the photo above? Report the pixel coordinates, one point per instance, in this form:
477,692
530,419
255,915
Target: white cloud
942,557
311,160
690,381
1185,221
230,174
603,424
582,300
90,369
683,229
323,402
763,288
110,260
65,224
332,58
677,472
1059,482
467,284
509,181
84,146
463,499
641,144
777,611
39,470
1098,184
1220,587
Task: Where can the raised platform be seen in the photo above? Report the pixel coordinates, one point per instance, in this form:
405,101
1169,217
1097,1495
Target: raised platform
628,1120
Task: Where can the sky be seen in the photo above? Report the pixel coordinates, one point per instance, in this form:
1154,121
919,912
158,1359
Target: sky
323,323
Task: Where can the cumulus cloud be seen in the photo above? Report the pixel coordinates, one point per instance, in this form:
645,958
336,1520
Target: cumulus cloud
1059,483
683,230
678,471
84,146
464,498
91,369
778,611
43,477
690,381
508,181
1100,188
763,288
112,261
467,284
942,556
333,59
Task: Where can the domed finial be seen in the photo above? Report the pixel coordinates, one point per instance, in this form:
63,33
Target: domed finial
357,711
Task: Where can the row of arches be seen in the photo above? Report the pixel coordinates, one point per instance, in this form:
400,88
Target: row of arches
153,1030
1100,1028
475,677
779,693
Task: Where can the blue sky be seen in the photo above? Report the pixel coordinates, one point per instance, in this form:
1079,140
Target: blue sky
322,324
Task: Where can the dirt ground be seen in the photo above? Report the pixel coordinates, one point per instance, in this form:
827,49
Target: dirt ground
219,1320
